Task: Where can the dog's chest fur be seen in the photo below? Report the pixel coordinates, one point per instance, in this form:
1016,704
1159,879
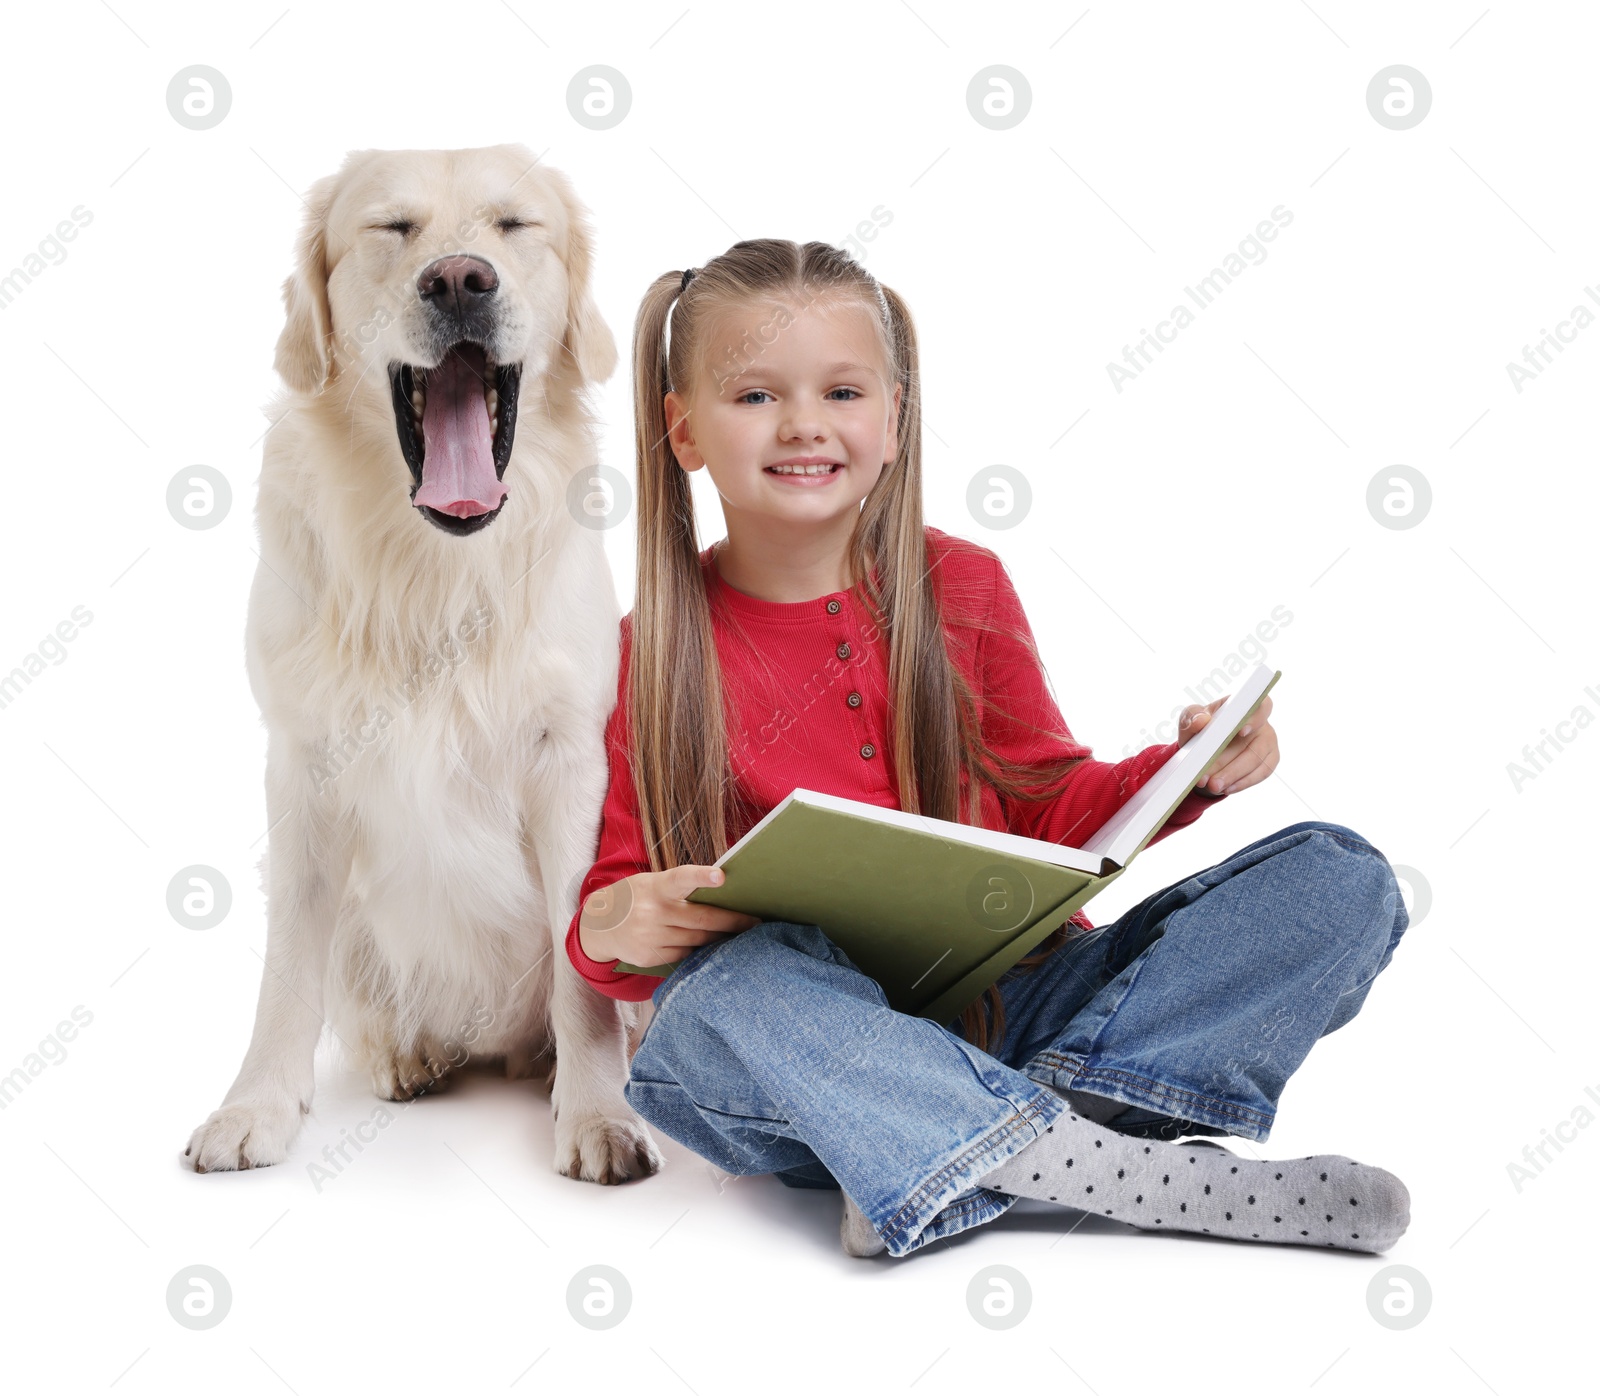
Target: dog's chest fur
430,720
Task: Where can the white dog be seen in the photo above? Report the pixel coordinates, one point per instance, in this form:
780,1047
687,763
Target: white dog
432,640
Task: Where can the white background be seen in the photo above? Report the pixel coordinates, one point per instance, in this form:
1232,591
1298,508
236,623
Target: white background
1169,521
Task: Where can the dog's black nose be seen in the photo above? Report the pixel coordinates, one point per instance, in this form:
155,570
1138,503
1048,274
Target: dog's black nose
457,285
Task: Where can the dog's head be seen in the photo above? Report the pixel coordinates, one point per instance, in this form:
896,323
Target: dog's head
458,274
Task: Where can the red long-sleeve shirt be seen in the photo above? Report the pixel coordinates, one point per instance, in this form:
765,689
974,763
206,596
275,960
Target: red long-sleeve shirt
808,683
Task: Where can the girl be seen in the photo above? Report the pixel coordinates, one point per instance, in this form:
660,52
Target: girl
834,641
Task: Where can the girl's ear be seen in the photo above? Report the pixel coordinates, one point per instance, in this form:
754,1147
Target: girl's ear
304,355
679,434
588,338
891,447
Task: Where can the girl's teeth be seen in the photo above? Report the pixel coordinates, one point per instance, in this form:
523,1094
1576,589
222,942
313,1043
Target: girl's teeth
801,469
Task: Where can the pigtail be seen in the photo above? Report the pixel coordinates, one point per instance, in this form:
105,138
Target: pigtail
680,748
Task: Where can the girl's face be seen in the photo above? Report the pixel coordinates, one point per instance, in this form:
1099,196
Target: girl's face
789,385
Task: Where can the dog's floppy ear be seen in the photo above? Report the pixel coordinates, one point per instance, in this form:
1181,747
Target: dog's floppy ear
588,340
304,354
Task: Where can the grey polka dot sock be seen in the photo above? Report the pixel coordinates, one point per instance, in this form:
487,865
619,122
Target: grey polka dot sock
1321,1200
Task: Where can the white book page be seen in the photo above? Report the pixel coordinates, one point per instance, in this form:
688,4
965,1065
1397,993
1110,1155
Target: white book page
998,840
1122,834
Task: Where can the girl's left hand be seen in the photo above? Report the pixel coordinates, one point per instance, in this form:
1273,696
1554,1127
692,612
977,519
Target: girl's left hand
1247,760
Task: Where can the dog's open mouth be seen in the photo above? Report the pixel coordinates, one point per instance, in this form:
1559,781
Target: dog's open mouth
456,424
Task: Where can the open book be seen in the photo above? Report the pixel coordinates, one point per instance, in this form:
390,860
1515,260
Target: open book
936,911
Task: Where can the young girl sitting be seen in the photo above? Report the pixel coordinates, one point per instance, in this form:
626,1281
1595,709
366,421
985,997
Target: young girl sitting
833,641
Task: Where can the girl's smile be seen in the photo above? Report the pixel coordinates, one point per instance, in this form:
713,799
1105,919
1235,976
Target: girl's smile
806,471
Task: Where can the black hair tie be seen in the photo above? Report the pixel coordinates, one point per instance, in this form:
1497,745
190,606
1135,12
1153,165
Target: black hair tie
688,276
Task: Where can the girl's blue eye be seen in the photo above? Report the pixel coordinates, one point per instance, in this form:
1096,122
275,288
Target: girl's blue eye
745,397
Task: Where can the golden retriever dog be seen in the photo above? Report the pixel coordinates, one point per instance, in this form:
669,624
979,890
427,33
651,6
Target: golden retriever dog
433,642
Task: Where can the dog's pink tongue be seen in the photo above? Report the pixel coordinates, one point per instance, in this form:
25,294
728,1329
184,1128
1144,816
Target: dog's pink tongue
458,452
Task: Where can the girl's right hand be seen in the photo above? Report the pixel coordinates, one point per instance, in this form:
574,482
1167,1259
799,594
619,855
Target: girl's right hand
645,919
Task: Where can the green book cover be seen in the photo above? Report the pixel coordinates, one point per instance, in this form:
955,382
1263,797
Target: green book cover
937,911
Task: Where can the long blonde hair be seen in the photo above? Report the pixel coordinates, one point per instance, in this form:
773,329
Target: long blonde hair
681,766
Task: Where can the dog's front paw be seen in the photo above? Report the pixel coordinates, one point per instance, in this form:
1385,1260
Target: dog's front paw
406,1075
246,1134
598,1149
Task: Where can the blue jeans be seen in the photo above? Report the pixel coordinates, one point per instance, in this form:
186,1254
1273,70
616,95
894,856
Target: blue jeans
770,1052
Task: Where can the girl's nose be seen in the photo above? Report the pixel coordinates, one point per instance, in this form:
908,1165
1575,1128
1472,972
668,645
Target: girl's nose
803,426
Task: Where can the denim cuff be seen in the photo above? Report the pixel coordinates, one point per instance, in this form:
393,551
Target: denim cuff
949,1200
1067,1071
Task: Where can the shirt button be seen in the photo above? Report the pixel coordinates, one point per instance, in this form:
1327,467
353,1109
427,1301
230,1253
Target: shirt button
867,749
844,650
833,608
854,700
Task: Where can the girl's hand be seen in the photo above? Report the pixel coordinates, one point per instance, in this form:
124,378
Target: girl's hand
1247,760
644,919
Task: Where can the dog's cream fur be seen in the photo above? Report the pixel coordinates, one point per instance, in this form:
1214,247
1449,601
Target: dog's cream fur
435,704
